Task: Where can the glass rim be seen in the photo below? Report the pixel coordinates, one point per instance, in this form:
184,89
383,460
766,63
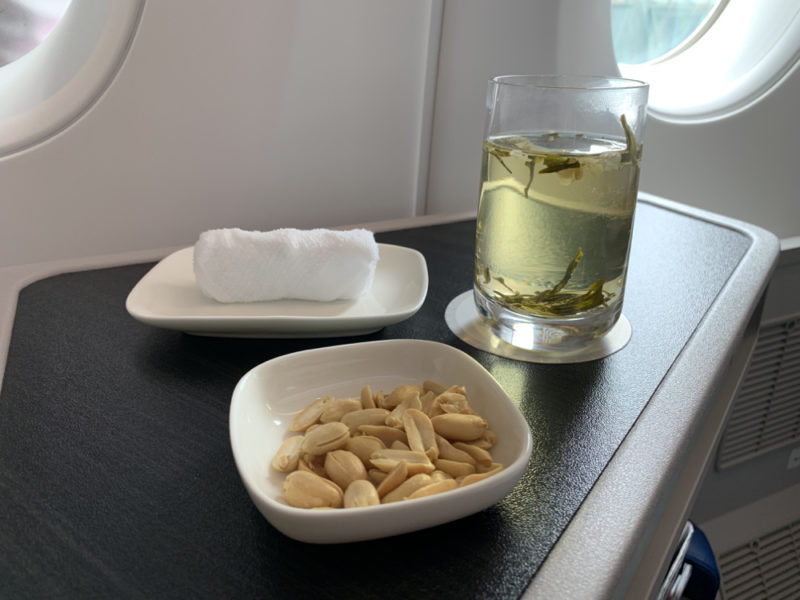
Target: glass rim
570,82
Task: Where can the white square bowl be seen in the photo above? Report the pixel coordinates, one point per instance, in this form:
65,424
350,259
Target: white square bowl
269,395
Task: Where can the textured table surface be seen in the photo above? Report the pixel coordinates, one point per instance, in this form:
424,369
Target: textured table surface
116,473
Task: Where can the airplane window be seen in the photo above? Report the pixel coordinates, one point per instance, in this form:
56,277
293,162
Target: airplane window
25,23
737,53
647,30
47,88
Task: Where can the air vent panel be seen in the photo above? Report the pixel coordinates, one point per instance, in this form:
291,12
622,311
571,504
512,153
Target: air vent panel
766,411
767,567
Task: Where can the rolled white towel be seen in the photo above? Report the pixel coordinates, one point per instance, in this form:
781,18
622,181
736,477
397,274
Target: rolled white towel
233,265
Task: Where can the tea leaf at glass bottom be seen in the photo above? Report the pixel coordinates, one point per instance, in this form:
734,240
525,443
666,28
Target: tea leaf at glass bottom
502,282
553,301
562,304
573,264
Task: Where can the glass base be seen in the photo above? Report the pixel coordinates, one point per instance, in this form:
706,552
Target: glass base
544,334
464,320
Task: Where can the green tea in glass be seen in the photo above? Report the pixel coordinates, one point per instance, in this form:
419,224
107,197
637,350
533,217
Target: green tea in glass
559,180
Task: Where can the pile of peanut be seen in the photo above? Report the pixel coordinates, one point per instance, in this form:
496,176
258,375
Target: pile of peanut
414,442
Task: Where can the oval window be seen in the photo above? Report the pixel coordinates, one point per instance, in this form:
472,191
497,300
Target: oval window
734,54
59,80
24,24
647,30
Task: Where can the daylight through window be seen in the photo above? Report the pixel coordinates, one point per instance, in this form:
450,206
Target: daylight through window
648,30
25,23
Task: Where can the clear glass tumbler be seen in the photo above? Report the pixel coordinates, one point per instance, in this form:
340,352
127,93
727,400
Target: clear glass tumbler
559,181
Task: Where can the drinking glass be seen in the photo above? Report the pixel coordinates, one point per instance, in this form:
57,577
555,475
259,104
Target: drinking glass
559,181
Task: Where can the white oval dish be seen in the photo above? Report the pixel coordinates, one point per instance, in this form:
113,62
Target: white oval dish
269,395
168,296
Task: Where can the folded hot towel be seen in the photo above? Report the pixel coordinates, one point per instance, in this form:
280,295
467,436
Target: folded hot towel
232,265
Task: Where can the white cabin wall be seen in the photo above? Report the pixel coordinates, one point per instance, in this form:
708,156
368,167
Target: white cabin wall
479,40
217,106
584,45
744,166
247,114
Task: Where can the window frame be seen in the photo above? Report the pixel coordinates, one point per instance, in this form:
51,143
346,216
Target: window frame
54,84
747,50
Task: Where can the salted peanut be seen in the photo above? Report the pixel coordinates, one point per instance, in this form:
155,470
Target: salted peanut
454,468
433,386
327,437
486,441
408,487
307,490
386,434
458,427
395,418
457,389
343,467
367,397
436,408
453,402
288,454
363,446
427,400
309,415
393,478
313,464
400,393
376,476
475,477
435,487
361,493
336,409
415,442
420,434
481,456
364,416
438,475
450,452
387,459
